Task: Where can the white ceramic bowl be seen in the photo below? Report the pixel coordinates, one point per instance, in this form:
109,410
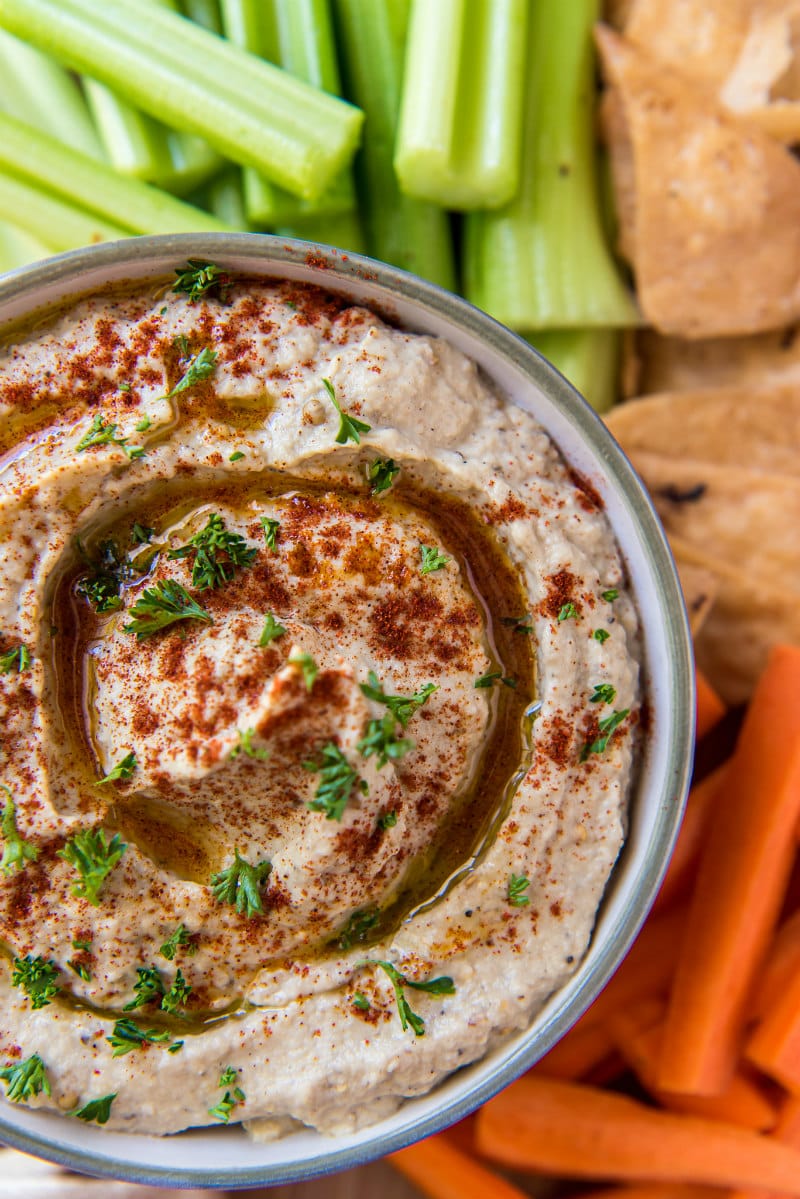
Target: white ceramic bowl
225,1157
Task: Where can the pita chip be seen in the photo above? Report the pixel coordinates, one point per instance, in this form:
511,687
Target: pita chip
709,206
674,364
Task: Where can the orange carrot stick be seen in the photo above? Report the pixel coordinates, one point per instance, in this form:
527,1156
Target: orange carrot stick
690,840
787,1130
441,1171
652,1190
775,1043
567,1129
648,968
742,876
782,963
585,1046
710,708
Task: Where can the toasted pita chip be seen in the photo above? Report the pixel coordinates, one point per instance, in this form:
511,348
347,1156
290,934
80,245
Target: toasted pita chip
674,364
745,50
711,224
748,617
700,587
617,12
751,428
750,519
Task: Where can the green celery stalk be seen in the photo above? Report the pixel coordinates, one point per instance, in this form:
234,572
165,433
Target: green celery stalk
542,261
344,232
170,67
53,221
224,198
296,35
203,12
41,161
589,358
37,90
18,248
459,137
409,233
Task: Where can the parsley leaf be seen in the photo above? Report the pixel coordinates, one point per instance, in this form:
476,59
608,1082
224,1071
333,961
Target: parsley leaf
271,526
435,986
601,635
37,979
432,559
605,728
128,1036
16,851
176,940
81,970
358,927
350,429
198,279
228,1077
109,569
177,995
141,534
18,659
101,433
488,680
361,1002
567,612
388,820
402,707
246,746
149,988
236,456
98,1110
337,778
161,605
212,540
603,693
93,859
240,884
610,595
271,632
123,770
380,739
381,474
199,368
24,1079
520,624
230,1100
308,666
517,886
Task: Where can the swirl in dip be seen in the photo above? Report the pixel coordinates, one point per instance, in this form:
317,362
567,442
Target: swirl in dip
319,701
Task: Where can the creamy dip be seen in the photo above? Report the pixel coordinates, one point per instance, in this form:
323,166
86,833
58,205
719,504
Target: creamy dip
319,705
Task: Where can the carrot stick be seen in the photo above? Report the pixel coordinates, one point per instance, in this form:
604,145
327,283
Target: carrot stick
579,1051
742,876
782,963
651,1190
648,968
443,1172
787,1131
690,839
775,1044
565,1128
710,708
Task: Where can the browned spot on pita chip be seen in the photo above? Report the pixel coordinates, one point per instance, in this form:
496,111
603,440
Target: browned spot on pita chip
709,205
674,364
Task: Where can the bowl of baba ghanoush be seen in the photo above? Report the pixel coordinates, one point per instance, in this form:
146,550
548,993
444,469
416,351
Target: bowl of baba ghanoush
347,708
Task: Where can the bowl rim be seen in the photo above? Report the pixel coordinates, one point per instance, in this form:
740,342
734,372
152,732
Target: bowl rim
271,256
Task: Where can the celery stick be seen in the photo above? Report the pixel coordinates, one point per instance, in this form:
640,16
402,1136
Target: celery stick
224,198
296,35
18,248
542,261
204,12
589,358
344,232
409,233
135,143
459,136
42,162
52,220
37,90
254,113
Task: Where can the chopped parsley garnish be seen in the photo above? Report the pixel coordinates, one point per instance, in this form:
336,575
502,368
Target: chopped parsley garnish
109,569
601,635
148,988
231,1098
380,739
337,779
350,429
307,665
517,886
603,693
24,1079
497,676
128,1036
179,939
240,884
236,456
610,595
16,851
141,534
123,770
37,979
520,624
567,612
162,605
271,526
402,707
361,1002
358,927
228,1077
271,631
86,946
124,386
97,1110
435,986
381,474
605,728
213,540
93,859
432,559
17,659
388,820
177,995
198,279
81,970
246,746
101,433
143,424
199,368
